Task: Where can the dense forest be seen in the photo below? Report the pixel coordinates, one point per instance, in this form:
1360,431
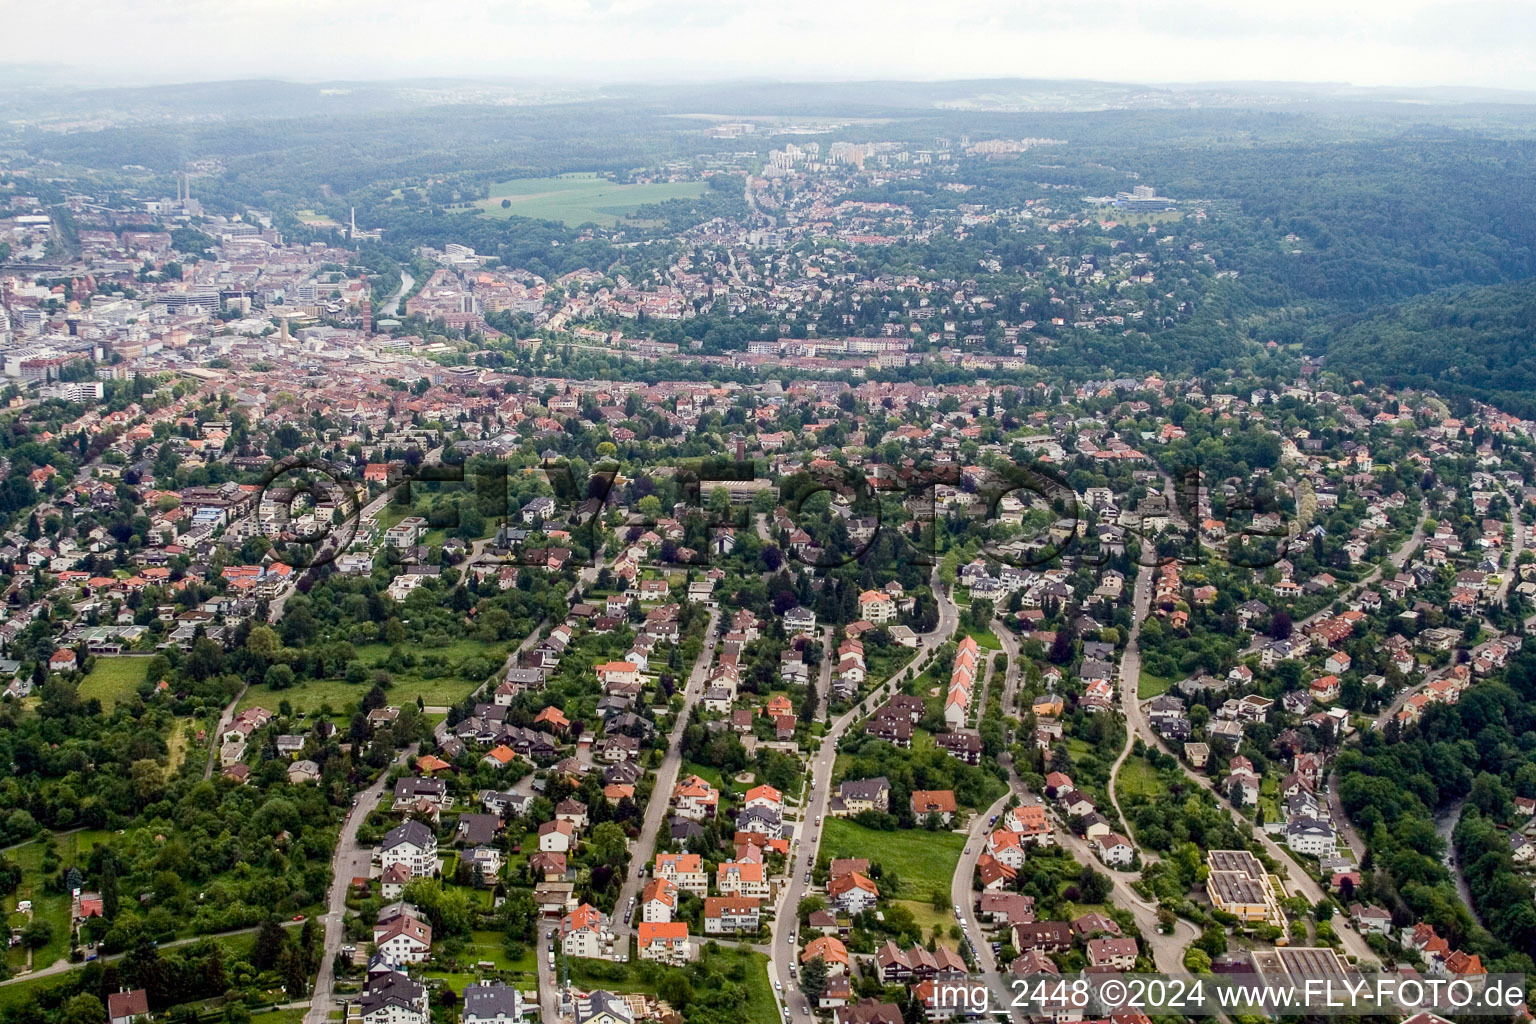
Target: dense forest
1480,751
1466,341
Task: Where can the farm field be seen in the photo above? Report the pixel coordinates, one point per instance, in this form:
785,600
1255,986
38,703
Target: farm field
580,198
112,679
922,861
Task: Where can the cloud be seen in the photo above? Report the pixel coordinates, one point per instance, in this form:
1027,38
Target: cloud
1368,42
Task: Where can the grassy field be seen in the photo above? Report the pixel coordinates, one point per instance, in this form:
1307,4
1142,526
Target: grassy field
50,907
176,745
24,991
926,917
759,1009
487,946
112,678
581,198
1149,685
294,1016
441,691
984,639
922,861
1138,779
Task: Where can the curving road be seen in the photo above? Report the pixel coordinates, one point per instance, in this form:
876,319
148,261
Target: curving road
1130,682
349,861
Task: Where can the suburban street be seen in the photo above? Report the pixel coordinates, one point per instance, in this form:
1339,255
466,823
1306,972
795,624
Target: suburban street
804,845
349,861
666,779
1130,680
963,897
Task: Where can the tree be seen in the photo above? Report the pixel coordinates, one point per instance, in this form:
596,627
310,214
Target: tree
144,968
109,887
1094,886
295,972
263,642
271,940
83,1009
608,843
37,934
1213,941
813,979
148,780
676,989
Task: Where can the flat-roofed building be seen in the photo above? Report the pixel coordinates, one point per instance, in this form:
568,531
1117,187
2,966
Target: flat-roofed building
1238,885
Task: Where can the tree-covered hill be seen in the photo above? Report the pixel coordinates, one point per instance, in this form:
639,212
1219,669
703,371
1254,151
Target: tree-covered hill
1461,341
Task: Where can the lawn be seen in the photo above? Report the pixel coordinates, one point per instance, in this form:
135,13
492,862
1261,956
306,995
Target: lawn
487,946
294,1016
926,917
438,691
984,639
50,907
309,695
1149,685
112,678
705,772
1137,779
176,744
24,991
759,1009
921,860
581,198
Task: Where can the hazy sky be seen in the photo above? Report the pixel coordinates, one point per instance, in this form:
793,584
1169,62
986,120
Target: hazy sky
1364,42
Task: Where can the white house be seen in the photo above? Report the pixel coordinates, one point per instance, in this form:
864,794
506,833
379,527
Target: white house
403,939
493,1002
413,845
582,932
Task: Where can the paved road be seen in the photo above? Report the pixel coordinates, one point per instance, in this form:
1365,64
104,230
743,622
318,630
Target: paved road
666,779
1014,672
964,897
225,717
1299,881
1296,880
1397,559
349,861
949,612
824,683
63,964
1346,827
1167,950
1519,531
804,845
1130,682
1386,714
